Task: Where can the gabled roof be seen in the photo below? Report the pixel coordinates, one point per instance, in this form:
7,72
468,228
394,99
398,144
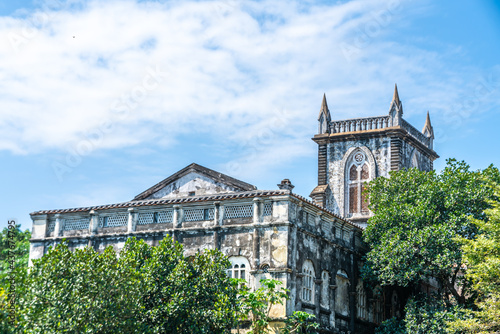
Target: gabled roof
214,175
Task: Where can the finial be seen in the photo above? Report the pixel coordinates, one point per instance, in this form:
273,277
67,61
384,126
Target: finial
395,98
324,105
428,130
428,121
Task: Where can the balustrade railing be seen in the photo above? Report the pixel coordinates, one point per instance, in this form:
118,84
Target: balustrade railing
360,124
375,123
415,133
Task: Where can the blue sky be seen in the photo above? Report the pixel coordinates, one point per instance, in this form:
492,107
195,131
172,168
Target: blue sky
101,99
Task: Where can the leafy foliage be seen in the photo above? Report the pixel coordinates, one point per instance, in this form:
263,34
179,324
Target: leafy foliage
433,227
256,305
300,323
482,256
20,252
422,316
11,258
418,218
143,290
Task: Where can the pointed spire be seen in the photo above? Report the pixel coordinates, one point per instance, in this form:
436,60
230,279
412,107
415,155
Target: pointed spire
395,97
396,108
324,117
428,130
324,105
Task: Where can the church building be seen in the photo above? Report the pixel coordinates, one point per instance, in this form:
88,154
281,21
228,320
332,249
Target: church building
314,246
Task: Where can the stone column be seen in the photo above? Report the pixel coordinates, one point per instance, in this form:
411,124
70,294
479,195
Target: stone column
177,216
298,296
317,295
256,248
94,222
217,220
39,231
317,222
257,210
132,220
58,226
176,220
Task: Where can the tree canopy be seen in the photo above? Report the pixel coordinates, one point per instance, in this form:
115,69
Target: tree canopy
418,217
482,258
143,289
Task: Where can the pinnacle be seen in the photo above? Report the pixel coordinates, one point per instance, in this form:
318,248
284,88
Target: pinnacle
395,98
428,120
427,130
324,105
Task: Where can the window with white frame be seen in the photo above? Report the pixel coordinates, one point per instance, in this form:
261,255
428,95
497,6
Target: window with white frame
358,174
361,300
308,282
240,267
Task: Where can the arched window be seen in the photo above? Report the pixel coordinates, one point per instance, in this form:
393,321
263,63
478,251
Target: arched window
239,267
358,175
308,282
378,304
342,293
325,291
361,300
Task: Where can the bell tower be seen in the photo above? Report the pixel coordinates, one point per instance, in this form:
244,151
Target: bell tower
354,151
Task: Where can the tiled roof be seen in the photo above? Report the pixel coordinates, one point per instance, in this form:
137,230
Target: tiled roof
153,202
191,199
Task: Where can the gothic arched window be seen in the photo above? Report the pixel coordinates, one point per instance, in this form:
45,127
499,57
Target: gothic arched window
308,282
359,174
239,267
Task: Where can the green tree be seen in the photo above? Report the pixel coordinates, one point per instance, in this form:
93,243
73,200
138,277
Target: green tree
417,219
256,305
143,290
414,235
186,295
20,252
482,257
300,323
79,291
14,255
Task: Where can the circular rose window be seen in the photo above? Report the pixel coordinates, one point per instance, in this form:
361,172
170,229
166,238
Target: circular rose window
359,158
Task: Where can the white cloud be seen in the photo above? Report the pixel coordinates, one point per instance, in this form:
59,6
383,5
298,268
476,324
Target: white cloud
226,67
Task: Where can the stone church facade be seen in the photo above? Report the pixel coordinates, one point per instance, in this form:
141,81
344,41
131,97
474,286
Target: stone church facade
313,246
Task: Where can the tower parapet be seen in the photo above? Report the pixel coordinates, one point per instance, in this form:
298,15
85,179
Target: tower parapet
354,151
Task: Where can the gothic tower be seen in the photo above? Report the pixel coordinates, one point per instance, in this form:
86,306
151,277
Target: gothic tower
354,151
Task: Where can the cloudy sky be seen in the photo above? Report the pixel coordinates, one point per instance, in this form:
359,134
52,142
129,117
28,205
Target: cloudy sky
101,99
